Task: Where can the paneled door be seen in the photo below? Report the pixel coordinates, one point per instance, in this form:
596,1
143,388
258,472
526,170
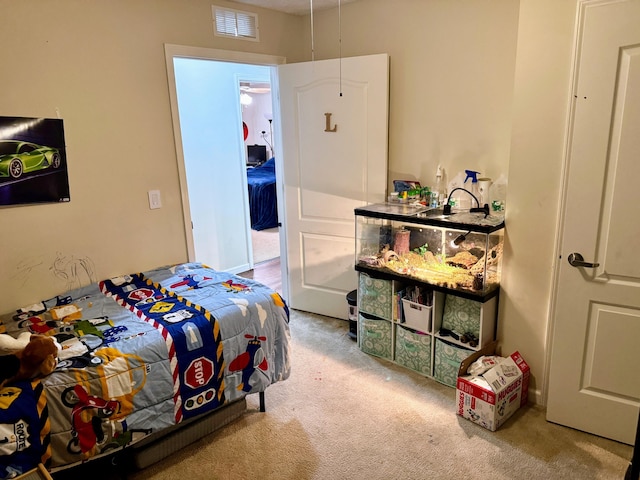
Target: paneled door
594,381
334,117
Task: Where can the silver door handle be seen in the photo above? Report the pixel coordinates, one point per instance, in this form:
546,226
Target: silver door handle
576,260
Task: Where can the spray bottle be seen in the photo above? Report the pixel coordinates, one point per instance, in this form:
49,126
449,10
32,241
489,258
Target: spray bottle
473,188
438,192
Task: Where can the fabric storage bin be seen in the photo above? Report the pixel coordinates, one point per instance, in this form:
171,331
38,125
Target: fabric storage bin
374,336
374,296
461,315
447,361
416,315
413,350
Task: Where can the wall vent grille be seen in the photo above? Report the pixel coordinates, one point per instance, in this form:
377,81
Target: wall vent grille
235,23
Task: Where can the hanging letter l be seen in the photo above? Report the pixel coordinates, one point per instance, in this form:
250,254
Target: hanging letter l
327,127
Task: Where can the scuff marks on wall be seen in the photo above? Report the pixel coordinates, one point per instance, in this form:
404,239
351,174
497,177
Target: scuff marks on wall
74,271
69,271
26,268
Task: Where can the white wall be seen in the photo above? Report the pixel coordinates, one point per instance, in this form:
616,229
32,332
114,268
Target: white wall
540,115
480,85
451,82
101,67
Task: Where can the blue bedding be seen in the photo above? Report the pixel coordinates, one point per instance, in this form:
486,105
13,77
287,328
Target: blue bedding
144,352
262,196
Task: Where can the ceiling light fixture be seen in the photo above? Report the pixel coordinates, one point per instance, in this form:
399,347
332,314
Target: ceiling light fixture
245,99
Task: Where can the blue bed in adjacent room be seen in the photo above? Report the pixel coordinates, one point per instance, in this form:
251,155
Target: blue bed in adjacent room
262,195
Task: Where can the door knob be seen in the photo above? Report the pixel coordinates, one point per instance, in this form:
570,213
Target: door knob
576,260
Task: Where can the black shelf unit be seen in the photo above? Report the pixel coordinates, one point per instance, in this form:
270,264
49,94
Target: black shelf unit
383,274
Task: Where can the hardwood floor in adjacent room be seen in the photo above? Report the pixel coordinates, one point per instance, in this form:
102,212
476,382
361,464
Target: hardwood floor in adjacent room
267,273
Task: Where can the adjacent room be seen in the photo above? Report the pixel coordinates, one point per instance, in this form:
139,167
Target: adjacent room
293,239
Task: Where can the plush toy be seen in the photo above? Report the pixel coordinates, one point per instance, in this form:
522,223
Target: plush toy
10,345
39,357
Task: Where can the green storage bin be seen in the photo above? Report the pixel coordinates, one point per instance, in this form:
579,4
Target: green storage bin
374,296
461,315
413,350
375,336
447,361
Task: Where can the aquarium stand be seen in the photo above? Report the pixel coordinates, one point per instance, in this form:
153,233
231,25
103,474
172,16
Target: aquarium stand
428,285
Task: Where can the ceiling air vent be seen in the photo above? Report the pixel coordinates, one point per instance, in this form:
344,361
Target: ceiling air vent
235,23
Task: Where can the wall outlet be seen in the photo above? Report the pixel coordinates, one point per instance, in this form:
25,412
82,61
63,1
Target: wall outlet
155,201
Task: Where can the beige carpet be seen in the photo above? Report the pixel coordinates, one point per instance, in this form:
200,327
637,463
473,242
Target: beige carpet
266,244
346,415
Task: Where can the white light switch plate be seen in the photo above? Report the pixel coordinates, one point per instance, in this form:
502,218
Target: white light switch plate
155,201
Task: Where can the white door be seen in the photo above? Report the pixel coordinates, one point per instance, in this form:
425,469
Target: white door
594,380
334,116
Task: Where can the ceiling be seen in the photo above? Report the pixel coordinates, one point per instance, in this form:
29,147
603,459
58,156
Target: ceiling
295,7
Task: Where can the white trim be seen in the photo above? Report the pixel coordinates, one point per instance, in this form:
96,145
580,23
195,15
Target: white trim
183,51
177,135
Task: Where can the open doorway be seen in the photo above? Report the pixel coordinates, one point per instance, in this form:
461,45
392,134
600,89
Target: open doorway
257,123
212,155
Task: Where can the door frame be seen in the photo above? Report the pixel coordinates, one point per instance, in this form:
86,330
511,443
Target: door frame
202,53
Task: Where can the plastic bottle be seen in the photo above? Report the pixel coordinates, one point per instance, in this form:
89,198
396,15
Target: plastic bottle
458,199
473,186
498,194
438,192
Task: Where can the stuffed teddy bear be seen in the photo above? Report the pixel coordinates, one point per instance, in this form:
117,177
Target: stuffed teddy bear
38,357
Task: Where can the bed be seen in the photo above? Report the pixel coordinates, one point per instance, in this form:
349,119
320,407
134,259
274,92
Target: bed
141,354
262,195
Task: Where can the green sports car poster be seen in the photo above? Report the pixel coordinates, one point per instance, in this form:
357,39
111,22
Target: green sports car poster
33,161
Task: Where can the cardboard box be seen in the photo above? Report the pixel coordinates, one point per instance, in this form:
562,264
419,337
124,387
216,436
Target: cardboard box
489,400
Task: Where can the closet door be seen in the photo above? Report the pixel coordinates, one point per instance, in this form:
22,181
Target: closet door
593,377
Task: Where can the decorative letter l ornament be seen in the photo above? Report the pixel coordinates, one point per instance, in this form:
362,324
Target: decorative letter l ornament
328,128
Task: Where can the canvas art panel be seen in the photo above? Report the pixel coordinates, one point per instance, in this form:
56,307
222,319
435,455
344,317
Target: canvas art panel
33,161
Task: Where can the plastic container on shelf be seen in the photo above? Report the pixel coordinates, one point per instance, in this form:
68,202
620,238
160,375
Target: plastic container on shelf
416,315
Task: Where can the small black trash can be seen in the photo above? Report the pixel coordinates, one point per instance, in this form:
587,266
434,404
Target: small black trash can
352,300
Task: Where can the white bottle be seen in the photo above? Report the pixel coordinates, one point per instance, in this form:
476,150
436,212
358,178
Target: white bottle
438,193
459,200
498,194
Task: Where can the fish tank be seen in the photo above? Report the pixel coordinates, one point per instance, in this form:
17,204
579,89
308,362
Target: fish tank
459,252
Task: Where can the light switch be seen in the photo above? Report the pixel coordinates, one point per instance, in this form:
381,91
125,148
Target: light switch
154,199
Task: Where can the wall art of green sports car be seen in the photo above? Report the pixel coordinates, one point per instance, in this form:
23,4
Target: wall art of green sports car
17,158
33,161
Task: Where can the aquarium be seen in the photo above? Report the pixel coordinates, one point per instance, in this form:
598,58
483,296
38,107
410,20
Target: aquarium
460,253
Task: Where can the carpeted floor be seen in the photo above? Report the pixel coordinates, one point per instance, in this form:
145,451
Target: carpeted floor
346,415
266,244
